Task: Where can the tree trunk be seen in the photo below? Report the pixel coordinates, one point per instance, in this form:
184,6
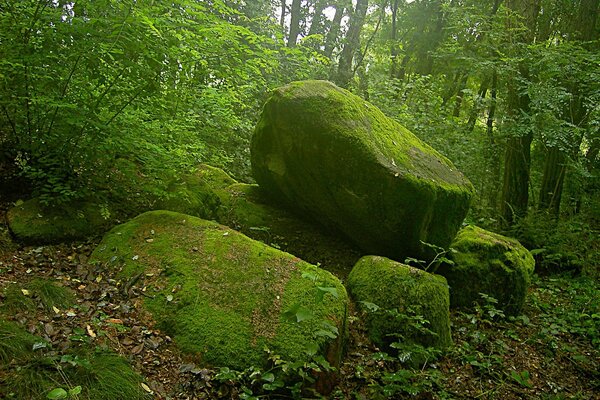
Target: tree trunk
352,44
552,181
334,30
394,45
459,95
555,162
316,24
294,23
478,104
282,16
515,187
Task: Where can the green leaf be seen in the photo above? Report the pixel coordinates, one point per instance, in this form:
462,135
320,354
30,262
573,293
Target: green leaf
75,391
58,393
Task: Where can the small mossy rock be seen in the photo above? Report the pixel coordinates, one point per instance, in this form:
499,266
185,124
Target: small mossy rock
33,223
485,262
245,209
195,193
225,297
334,157
391,285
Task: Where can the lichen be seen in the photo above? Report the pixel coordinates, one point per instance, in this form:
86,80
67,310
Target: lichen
221,295
485,262
391,285
336,158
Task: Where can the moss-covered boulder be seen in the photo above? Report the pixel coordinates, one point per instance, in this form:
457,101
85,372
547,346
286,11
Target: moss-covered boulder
244,208
192,193
382,285
225,297
485,262
32,222
333,156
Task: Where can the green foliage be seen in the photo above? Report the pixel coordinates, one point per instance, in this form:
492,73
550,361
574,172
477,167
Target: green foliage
167,84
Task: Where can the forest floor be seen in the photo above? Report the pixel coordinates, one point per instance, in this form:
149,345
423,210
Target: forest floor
552,351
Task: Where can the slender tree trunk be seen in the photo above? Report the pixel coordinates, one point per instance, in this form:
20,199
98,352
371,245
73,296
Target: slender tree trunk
334,30
294,23
459,95
352,43
493,149
282,16
478,104
316,24
393,36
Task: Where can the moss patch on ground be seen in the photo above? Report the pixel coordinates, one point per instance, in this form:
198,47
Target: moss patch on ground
245,209
485,262
334,157
225,297
390,285
44,293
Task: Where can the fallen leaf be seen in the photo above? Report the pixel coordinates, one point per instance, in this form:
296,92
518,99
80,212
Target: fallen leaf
90,331
25,292
56,310
147,388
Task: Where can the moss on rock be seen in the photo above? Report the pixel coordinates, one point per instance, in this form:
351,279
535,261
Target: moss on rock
332,156
33,223
485,262
391,285
193,193
223,296
245,209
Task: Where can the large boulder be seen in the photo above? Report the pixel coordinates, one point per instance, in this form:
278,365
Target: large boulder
394,293
224,297
488,263
331,155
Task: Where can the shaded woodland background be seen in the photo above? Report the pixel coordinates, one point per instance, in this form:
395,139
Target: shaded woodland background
508,90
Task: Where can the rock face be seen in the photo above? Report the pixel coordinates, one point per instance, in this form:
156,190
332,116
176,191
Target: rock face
225,297
331,155
391,285
485,262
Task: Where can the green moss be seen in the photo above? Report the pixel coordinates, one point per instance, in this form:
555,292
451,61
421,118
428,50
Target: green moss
246,209
33,223
336,158
220,294
485,262
30,374
391,285
195,193
6,243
